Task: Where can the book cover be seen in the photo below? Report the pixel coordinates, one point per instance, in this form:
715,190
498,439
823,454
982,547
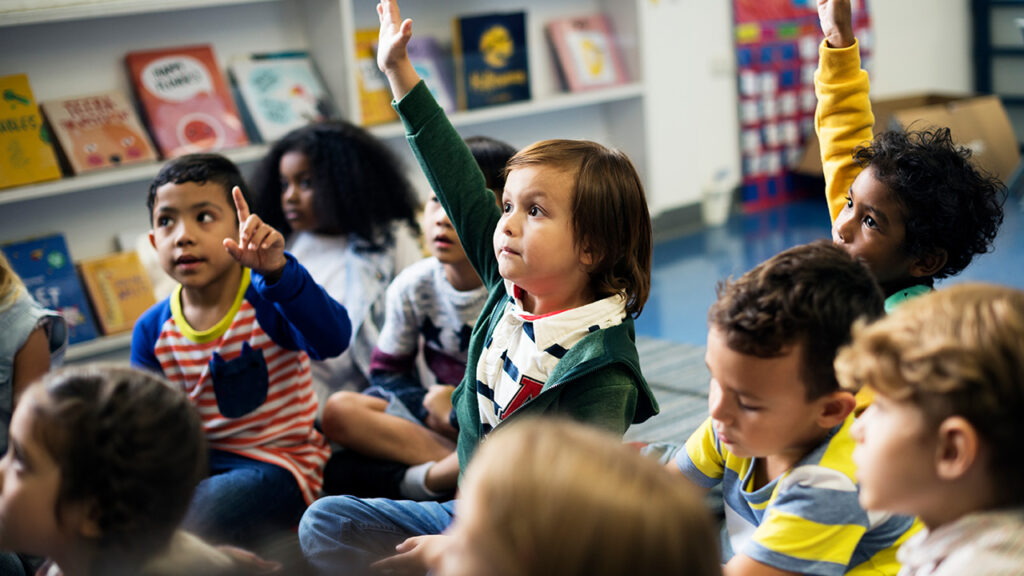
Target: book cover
119,290
185,100
279,92
98,131
491,65
374,92
433,64
26,149
45,267
586,51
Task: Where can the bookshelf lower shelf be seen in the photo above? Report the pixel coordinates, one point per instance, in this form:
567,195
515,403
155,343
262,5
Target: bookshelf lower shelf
84,351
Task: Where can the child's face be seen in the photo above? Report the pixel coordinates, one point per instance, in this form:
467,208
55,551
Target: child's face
29,485
895,457
190,223
871,228
297,191
759,406
534,240
442,241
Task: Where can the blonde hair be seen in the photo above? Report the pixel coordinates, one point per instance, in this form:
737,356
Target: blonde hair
562,498
10,283
958,351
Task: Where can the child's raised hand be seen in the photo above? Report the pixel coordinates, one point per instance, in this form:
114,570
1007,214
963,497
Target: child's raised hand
392,57
259,245
836,18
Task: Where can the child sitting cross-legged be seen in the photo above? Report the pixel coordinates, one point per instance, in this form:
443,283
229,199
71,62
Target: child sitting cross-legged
237,335
432,305
778,437
942,438
566,262
102,464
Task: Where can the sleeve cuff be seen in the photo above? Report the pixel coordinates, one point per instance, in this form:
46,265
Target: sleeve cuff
285,287
838,62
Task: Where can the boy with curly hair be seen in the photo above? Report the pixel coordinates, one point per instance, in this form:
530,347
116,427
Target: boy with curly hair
910,205
942,438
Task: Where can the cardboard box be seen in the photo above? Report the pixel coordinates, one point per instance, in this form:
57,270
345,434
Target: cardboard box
977,122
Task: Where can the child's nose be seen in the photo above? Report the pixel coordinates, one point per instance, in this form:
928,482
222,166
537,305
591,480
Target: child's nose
183,234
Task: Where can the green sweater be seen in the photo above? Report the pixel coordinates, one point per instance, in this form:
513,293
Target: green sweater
598,381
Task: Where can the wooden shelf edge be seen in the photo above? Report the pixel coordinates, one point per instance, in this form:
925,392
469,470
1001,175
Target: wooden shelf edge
98,346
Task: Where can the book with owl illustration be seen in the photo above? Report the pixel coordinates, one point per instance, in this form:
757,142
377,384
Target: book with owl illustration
586,51
278,92
185,100
98,131
26,150
491,64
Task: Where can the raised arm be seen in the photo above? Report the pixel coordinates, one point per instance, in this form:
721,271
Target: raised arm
392,57
843,118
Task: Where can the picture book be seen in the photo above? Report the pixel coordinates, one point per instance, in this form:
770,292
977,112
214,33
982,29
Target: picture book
185,100
26,150
374,92
434,66
586,52
278,92
45,267
119,290
491,64
98,131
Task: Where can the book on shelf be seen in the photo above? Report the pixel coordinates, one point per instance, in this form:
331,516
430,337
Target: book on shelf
45,267
26,148
98,131
119,290
185,100
278,92
374,92
433,64
491,64
587,52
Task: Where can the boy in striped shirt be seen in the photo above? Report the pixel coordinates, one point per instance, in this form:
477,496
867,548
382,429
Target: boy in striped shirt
778,439
237,335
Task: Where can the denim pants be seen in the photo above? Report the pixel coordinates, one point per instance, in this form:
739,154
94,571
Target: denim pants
243,501
345,534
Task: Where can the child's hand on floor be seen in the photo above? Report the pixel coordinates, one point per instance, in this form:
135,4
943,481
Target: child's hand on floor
836,18
259,246
416,555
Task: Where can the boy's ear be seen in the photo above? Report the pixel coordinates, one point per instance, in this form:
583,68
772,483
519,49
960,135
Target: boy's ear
152,239
929,263
835,407
957,448
82,519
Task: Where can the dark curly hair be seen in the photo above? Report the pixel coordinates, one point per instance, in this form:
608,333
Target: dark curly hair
360,185
947,202
811,295
199,168
127,442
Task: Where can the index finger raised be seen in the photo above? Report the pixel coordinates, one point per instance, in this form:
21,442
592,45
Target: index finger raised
241,206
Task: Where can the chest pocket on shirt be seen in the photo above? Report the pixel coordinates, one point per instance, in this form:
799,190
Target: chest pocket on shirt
240,384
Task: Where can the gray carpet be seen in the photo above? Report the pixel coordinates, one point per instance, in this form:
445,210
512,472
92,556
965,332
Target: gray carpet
679,379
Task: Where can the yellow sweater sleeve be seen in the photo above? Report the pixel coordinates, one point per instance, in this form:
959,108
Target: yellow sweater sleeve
842,119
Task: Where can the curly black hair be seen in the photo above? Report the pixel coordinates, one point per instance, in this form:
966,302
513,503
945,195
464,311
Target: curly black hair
199,168
360,185
126,441
947,202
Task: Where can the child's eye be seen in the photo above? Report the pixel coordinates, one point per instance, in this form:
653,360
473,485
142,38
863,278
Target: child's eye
534,211
506,207
747,407
849,201
306,184
205,217
162,221
870,222
284,185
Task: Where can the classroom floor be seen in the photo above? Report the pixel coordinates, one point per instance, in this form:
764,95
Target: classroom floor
686,269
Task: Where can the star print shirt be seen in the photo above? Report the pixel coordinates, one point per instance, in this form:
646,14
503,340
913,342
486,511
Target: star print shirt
421,302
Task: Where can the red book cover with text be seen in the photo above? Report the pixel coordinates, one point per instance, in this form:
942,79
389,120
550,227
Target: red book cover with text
185,99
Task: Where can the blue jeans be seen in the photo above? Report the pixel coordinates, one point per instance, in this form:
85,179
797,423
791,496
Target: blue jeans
243,501
345,534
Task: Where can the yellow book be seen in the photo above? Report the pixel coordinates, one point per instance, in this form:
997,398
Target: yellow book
374,92
119,290
26,149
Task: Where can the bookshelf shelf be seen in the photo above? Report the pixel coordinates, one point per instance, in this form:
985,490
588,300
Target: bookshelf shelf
100,346
71,10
